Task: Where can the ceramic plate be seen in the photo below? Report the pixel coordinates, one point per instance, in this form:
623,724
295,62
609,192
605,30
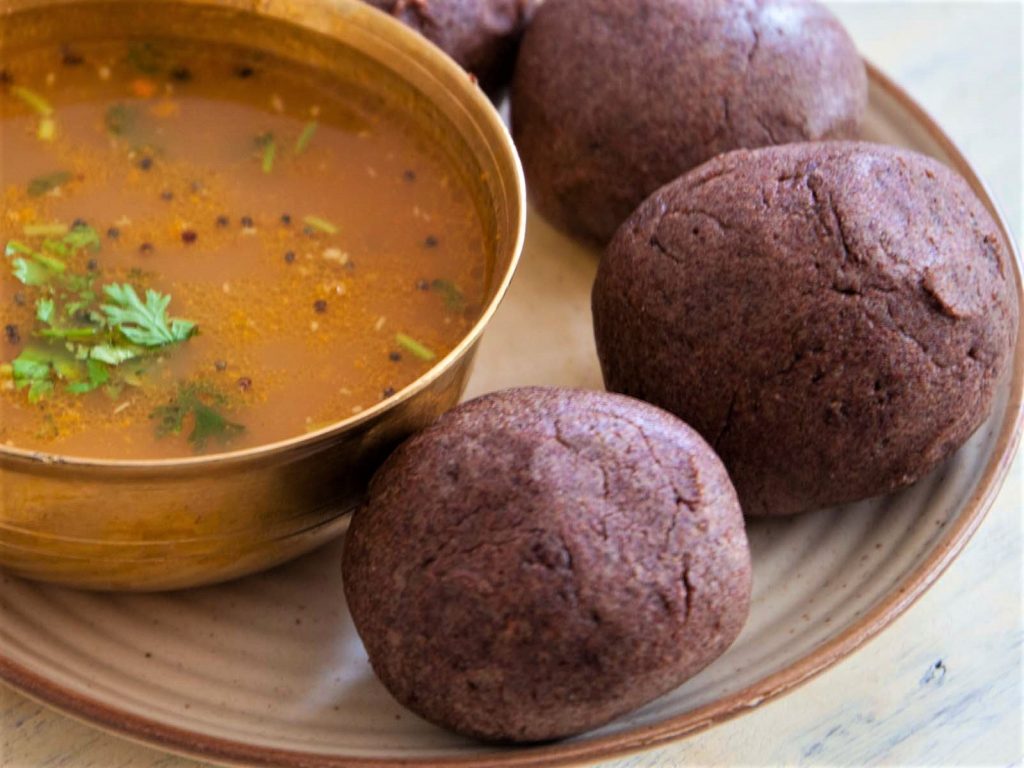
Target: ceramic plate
269,669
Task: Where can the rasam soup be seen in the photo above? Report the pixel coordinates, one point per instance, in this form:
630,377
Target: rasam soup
208,249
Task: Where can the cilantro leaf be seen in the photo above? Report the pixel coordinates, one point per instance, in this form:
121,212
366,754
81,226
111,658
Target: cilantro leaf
113,355
144,324
98,376
27,367
30,273
37,268
69,333
199,402
50,262
55,246
37,367
82,236
44,310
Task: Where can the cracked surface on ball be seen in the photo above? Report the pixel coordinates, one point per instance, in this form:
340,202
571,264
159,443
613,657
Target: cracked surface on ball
833,318
613,98
542,560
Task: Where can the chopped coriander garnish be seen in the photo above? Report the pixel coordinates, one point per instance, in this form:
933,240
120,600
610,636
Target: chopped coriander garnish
37,269
83,236
50,262
302,143
29,272
453,298
72,334
417,349
35,102
45,230
114,355
16,246
320,224
119,119
200,402
269,153
98,374
55,247
37,367
42,184
144,323
44,310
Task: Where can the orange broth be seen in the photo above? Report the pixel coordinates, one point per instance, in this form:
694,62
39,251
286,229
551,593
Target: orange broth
321,251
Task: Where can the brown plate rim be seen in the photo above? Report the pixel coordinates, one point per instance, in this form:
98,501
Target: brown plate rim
225,751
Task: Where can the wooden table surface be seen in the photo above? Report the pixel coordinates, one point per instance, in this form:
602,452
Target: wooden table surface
943,685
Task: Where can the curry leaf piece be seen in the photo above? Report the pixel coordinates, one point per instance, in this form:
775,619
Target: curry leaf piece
146,323
40,185
82,236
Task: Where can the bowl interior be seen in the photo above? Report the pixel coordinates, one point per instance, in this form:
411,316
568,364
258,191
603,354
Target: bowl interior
357,45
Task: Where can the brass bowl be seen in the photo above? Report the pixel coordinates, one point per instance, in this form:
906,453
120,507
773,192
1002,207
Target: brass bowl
147,525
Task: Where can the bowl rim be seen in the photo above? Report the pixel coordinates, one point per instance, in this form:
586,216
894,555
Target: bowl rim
894,604
487,118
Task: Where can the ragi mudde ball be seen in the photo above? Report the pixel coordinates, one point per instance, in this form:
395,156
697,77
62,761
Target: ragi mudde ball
613,98
833,318
481,35
540,561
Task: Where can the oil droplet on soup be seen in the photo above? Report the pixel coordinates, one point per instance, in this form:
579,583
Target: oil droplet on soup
208,251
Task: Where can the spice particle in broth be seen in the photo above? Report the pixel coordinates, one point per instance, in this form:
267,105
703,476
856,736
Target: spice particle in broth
212,250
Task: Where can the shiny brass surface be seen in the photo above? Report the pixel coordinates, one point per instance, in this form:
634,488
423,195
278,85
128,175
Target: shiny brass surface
146,525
